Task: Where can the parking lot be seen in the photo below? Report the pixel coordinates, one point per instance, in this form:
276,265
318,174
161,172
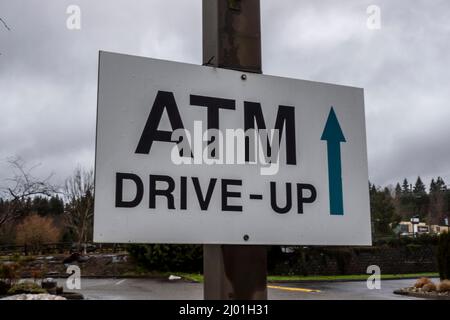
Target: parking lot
155,289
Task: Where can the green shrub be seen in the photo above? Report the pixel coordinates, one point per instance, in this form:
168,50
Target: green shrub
167,257
443,255
421,239
341,255
26,287
412,247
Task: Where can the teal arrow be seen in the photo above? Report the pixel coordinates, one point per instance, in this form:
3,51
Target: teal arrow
332,134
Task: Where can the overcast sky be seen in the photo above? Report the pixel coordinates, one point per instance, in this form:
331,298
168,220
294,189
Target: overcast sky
48,73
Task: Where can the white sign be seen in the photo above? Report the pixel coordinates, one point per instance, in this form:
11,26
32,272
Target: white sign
183,156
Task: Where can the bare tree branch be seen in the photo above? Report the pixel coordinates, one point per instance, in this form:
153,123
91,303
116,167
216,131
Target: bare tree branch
79,194
4,23
23,185
6,26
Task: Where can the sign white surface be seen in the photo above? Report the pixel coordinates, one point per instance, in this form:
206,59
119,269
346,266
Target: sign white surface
142,196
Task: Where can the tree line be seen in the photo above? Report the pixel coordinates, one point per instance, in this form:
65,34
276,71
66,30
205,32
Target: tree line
33,211
390,205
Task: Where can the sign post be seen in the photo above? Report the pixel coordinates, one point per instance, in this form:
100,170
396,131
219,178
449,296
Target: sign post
232,40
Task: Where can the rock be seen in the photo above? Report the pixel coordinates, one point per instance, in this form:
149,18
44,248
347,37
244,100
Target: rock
421,282
41,296
49,283
444,286
51,290
429,287
172,277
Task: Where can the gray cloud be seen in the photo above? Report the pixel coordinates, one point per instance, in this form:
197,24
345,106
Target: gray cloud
48,74
402,67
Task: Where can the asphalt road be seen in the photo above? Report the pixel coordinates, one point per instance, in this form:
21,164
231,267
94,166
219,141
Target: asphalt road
152,289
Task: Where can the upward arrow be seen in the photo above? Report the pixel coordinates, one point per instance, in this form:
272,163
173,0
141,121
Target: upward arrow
332,133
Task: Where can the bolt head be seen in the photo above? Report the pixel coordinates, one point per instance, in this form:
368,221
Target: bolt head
244,77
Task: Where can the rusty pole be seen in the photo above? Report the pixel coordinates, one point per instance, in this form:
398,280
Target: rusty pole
232,40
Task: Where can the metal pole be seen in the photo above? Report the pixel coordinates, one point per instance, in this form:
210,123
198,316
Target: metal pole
232,40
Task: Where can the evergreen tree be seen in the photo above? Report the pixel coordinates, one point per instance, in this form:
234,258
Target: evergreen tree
438,206
433,186
405,187
419,187
372,188
397,201
404,201
56,206
420,200
40,205
398,190
440,184
383,213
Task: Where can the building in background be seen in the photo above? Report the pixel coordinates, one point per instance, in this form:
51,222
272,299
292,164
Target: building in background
408,228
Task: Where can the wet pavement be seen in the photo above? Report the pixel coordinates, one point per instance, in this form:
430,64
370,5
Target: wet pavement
350,290
157,289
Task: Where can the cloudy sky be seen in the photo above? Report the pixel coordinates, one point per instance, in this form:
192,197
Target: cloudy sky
48,73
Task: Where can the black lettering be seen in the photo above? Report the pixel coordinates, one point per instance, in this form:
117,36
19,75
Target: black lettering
161,192
213,105
183,204
164,100
120,203
285,115
273,198
228,194
300,199
203,201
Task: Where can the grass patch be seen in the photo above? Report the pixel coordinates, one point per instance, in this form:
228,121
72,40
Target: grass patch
361,277
142,272
196,277
16,257
350,277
